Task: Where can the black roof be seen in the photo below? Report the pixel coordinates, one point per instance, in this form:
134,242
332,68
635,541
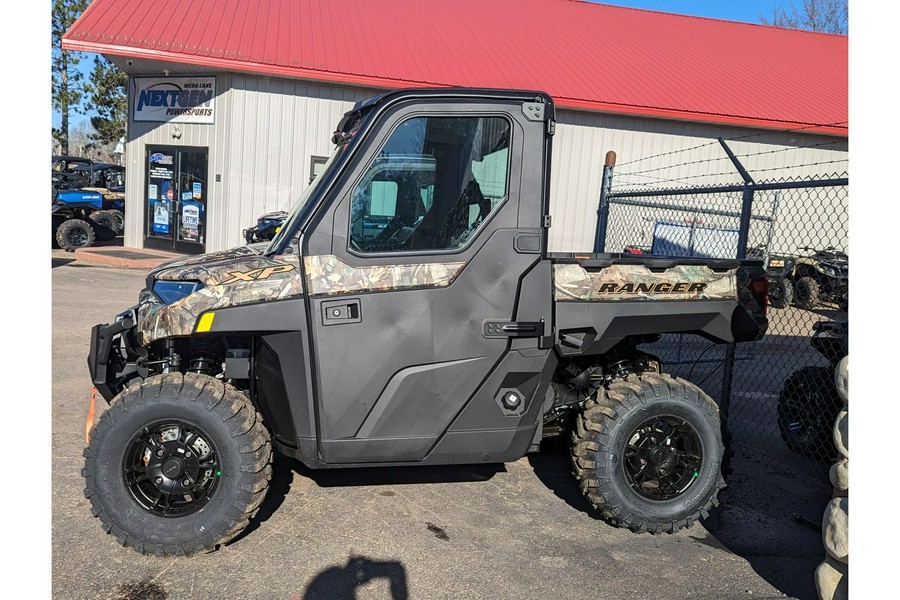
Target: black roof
97,167
67,158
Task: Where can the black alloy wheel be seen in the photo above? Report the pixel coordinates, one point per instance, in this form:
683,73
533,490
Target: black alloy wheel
171,469
663,457
72,234
178,464
77,237
648,453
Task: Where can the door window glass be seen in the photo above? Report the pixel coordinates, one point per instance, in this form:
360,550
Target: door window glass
433,183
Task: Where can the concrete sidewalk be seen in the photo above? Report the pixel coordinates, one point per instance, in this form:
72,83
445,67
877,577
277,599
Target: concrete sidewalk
123,257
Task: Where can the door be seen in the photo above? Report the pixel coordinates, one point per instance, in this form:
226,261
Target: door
176,199
408,312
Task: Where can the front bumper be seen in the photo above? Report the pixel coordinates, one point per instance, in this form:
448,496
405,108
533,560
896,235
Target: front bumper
114,355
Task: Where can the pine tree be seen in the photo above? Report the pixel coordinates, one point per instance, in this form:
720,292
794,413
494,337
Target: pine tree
68,82
107,96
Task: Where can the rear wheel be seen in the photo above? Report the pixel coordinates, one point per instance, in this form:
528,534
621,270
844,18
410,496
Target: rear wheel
647,453
118,218
73,234
806,294
177,465
781,293
105,227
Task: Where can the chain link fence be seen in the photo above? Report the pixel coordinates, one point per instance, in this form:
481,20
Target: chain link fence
777,395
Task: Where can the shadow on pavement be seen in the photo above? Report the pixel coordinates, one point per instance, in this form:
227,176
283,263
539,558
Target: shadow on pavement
554,468
284,468
341,582
399,475
279,486
758,521
60,262
755,520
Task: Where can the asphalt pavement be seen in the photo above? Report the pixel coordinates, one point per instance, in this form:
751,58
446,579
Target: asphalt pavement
520,530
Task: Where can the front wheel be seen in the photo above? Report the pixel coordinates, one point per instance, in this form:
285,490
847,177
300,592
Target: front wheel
806,293
178,464
647,453
73,234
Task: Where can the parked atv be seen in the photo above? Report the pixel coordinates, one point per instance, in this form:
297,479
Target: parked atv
809,402
78,220
266,227
808,280
88,202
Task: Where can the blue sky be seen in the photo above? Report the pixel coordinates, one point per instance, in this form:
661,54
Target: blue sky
745,10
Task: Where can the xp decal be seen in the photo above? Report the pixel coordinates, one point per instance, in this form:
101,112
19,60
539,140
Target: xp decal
257,274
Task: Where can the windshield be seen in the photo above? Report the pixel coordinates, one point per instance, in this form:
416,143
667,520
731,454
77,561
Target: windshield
300,204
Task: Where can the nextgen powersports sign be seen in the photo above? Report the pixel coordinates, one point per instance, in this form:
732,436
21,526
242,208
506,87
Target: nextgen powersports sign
175,99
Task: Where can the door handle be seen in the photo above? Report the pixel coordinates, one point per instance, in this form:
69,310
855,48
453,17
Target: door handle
335,312
514,329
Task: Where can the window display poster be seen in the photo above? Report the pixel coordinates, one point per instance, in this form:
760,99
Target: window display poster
190,221
160,216
198,190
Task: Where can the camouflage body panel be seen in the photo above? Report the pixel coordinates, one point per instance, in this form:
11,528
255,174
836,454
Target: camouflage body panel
229,278
173,270
329,275
573,283
243,276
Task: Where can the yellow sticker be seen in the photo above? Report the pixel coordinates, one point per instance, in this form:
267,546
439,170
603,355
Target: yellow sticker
206,322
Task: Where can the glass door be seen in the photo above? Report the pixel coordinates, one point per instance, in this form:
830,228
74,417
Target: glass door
176,197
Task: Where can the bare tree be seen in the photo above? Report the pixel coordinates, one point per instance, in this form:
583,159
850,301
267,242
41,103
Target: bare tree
83,142
827,16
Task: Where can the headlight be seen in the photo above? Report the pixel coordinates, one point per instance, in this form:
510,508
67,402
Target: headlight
172,291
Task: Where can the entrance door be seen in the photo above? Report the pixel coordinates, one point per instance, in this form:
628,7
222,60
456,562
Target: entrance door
176,195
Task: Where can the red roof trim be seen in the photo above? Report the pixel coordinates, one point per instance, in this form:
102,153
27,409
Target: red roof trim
599,57
389,83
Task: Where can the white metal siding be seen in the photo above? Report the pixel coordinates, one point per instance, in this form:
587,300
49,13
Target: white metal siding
275,127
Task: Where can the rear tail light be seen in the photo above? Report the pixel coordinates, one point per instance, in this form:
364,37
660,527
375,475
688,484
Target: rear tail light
759,287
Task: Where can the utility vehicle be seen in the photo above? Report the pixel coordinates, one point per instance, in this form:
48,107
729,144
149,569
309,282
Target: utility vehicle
88,201
408,313
807,280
